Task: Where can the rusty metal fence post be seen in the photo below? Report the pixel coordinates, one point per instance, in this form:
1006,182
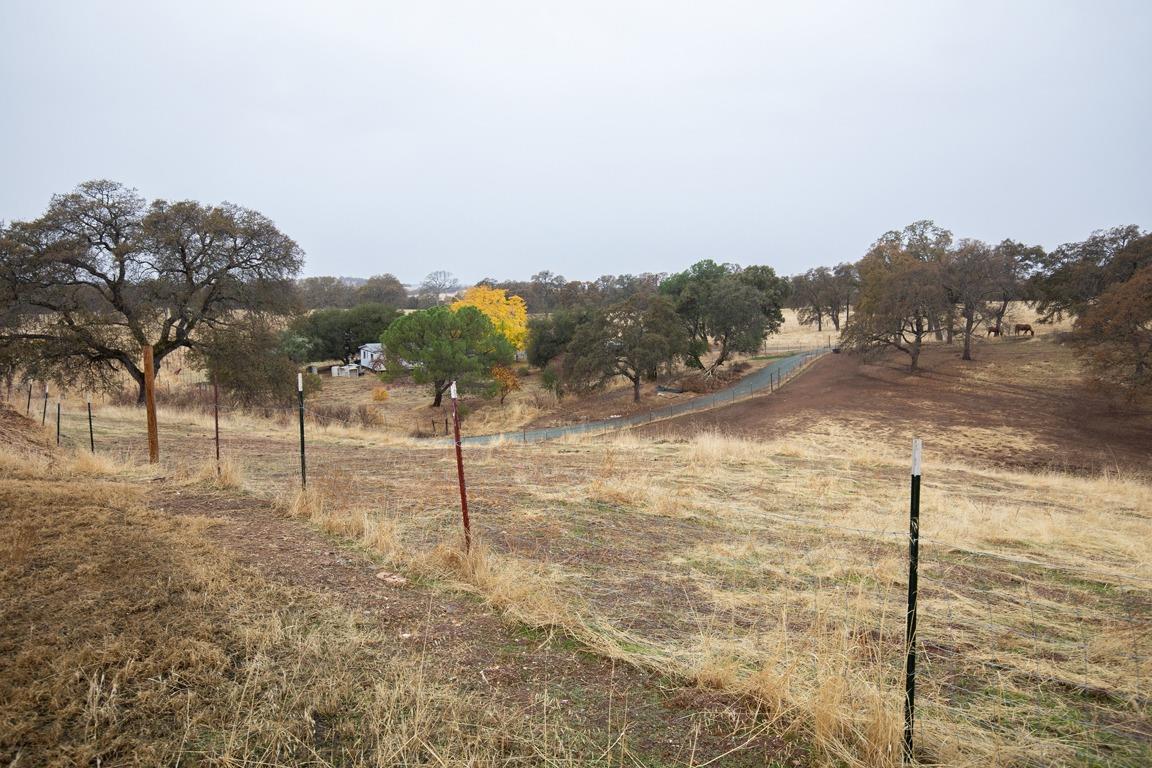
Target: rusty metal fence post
303,461
460,469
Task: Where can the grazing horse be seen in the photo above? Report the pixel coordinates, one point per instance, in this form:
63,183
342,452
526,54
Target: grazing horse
1020,328
993,330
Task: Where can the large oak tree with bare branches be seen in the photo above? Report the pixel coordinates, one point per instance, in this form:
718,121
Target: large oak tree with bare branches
902,295
103,273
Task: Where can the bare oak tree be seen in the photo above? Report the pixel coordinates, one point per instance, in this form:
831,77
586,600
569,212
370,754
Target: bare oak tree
976,278
902,295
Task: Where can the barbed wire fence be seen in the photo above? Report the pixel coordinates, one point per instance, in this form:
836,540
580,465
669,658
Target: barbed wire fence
1045,644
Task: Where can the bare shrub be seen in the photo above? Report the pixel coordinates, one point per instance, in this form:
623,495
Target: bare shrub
699,383
327,415
367,416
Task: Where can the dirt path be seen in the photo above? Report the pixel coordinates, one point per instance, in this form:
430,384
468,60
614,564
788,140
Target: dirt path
480,652
764,379
1028,396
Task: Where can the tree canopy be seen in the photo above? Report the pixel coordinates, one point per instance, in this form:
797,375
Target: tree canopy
248,363
549,337
383,289
103,273
902,293
629,340
1065,281
1114,335
726,305
338,333
508,314
442,345
435,285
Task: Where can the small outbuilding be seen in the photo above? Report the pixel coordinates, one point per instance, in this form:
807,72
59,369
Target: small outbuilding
372,356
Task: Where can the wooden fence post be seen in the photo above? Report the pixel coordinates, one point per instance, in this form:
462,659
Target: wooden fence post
150,405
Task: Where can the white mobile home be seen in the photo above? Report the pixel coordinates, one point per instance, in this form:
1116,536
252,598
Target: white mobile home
372,356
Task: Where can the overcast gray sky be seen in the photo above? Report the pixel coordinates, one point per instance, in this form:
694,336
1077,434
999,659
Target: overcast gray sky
502,138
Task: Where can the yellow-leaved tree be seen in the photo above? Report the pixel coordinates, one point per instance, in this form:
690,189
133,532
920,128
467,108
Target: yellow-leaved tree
508,313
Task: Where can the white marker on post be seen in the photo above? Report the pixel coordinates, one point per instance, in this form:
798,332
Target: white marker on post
916,457
452,391
299,382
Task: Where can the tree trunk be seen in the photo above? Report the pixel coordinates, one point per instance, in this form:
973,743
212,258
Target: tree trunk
635,389
949,330
720,360
1000,315
819,322
441,387
137,376
968,326
919,330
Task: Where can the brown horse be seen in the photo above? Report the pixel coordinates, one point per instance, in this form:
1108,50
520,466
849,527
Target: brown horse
993,330
1020,328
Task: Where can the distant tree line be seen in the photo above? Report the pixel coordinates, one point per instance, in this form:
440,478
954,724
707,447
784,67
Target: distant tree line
103,273
597,331
544,293
328,292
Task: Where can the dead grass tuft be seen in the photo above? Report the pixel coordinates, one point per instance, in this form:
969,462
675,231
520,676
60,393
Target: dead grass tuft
713,449
523,593
382,535
227,475
328,503
99,465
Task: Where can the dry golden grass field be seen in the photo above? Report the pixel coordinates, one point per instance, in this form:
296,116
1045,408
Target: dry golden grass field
729,593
